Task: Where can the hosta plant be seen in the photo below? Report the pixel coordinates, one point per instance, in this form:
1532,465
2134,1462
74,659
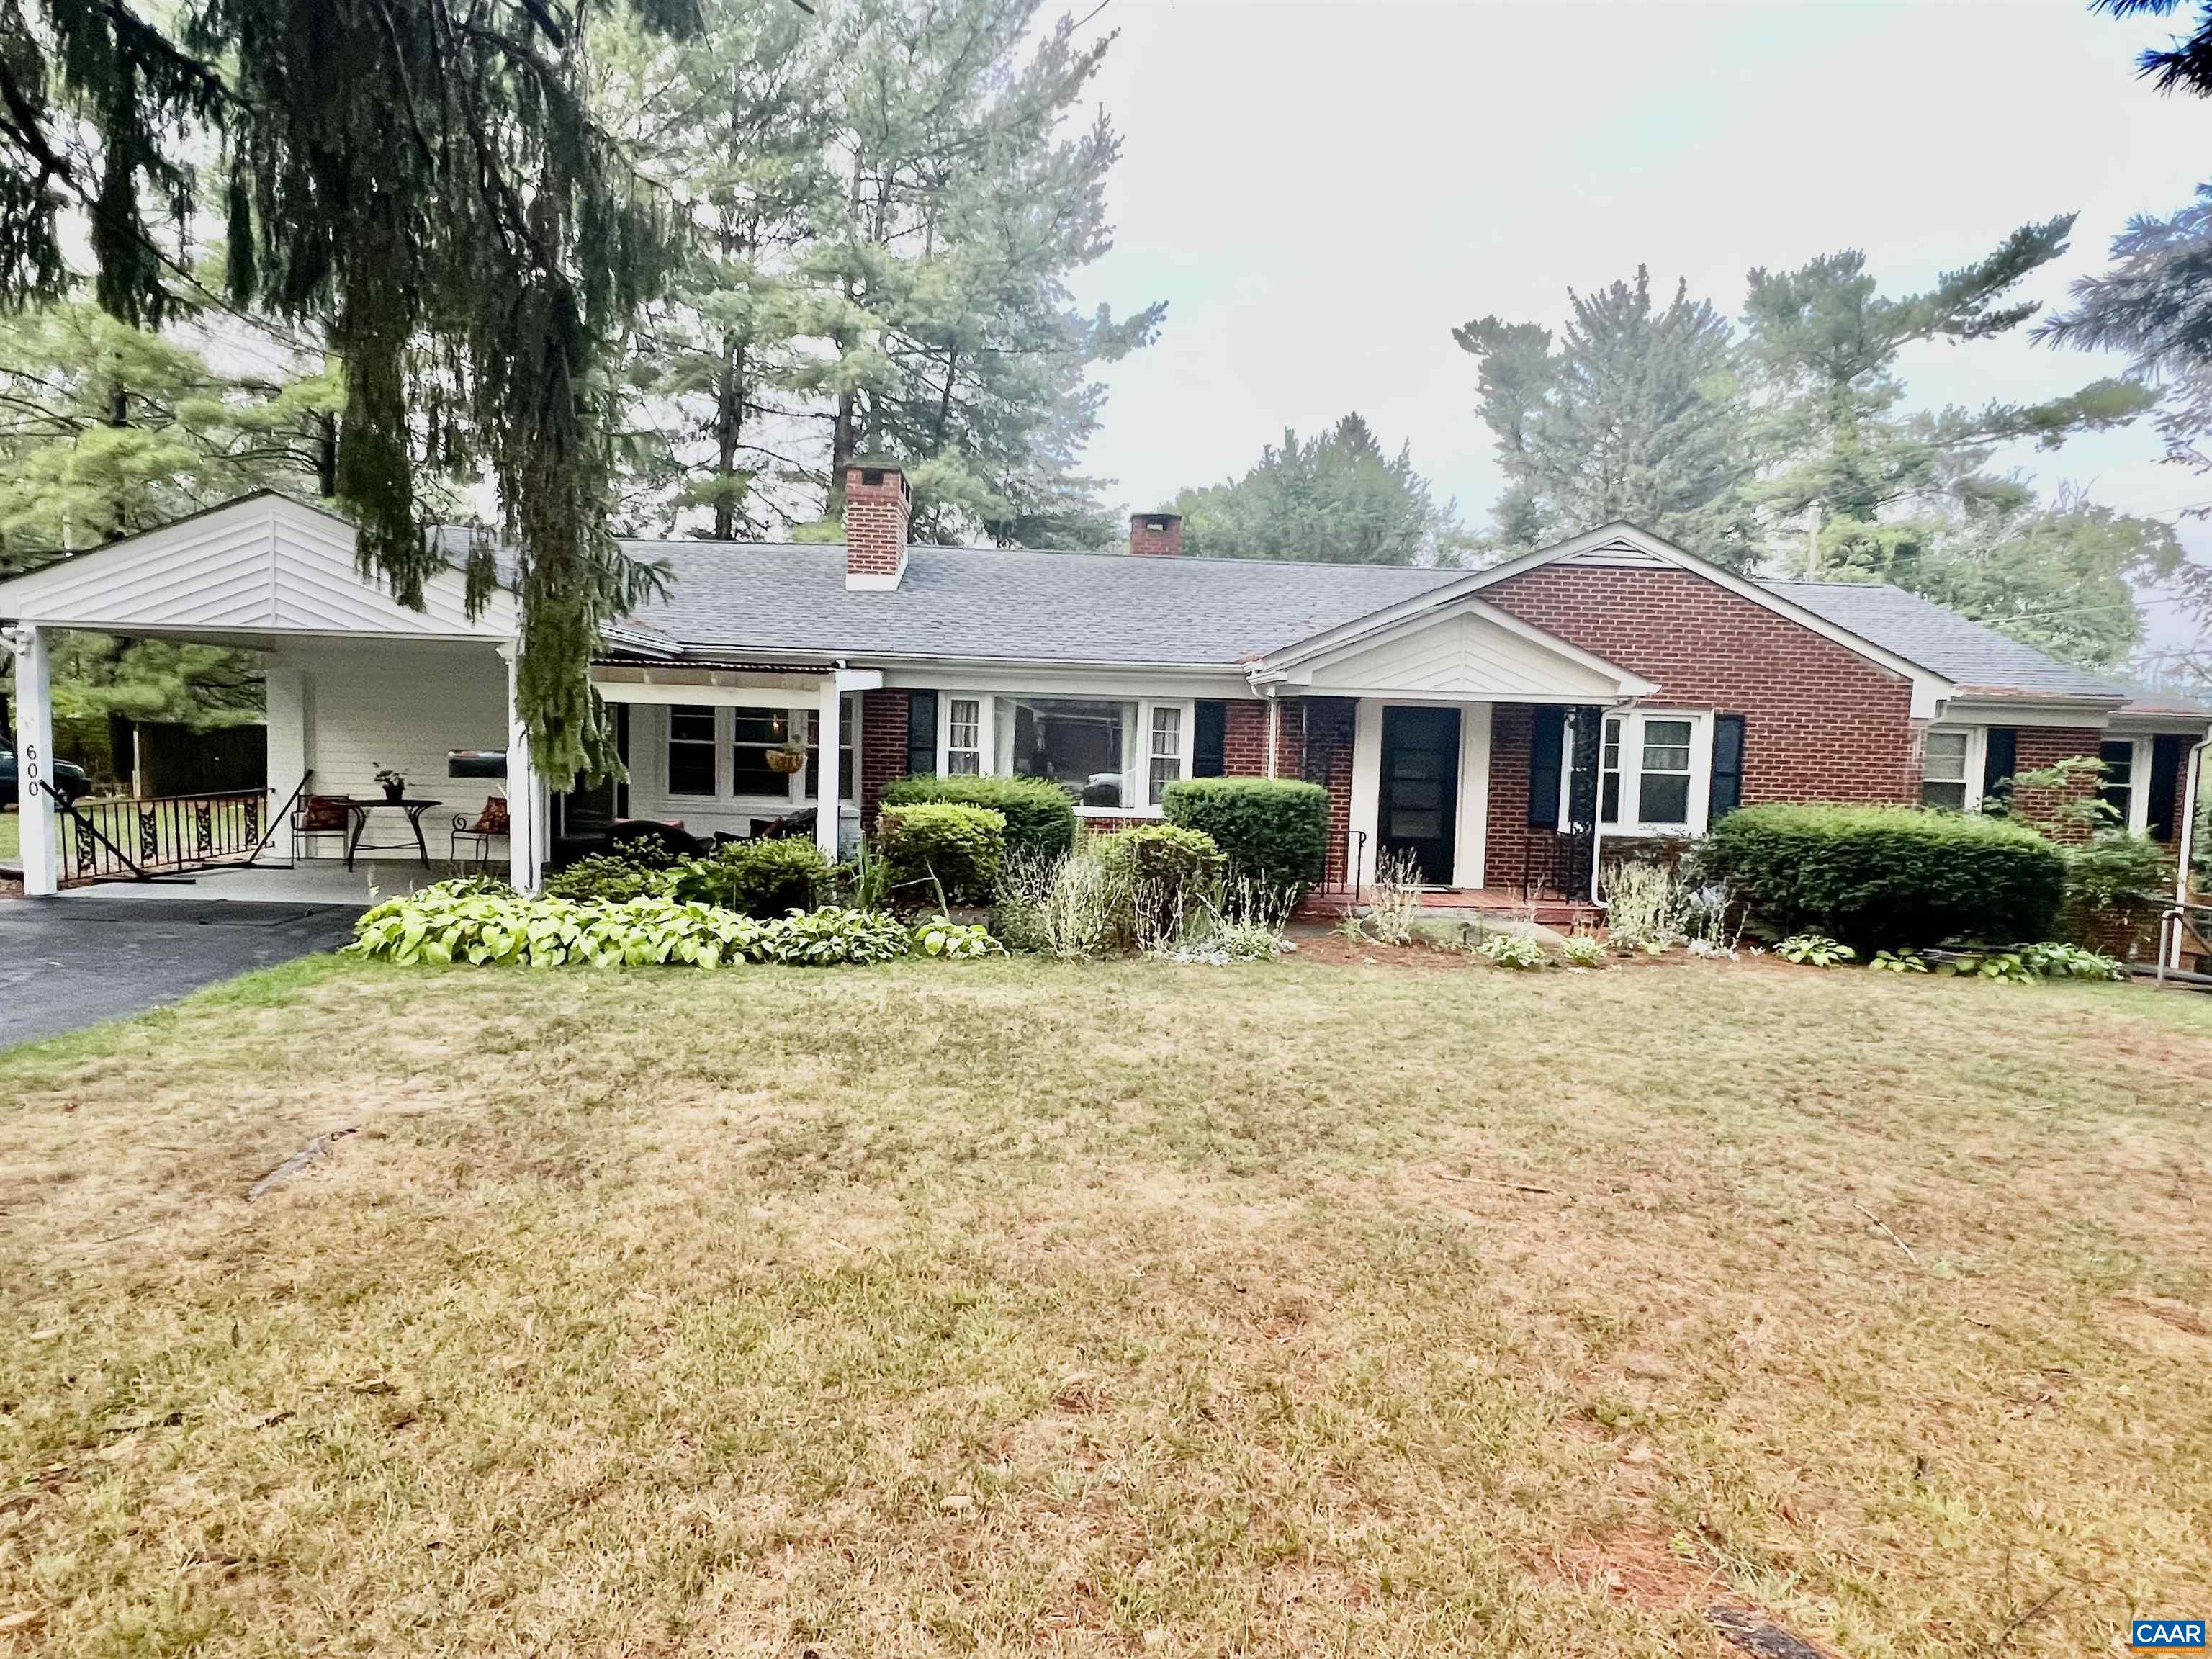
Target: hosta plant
1516,951
1896,961
2001,965
2056,961
1814,950
1582,952
439,924
941,938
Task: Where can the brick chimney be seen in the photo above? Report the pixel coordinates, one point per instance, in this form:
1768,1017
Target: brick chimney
1156,535
876,507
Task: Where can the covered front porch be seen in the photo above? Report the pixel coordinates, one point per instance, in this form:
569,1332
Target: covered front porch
360,690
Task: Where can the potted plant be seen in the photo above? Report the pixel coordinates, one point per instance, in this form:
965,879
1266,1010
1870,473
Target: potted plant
791,758
395,786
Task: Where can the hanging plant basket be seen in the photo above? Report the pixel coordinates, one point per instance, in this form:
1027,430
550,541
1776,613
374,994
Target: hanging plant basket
786,761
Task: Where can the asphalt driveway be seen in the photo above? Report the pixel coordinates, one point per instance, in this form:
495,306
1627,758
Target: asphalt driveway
67,963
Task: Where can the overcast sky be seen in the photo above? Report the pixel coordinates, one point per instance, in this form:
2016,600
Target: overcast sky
1322,192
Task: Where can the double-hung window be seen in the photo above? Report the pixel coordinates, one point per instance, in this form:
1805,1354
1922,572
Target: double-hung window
2119,789
1946,770
963,737
691,746
1655,773
753,733
1164,764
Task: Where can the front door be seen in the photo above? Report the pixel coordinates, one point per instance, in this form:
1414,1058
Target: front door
1417,808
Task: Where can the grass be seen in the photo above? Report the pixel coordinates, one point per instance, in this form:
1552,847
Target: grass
10,838
1009,1308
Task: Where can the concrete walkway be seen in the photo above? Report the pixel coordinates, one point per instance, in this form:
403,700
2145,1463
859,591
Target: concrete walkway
70,962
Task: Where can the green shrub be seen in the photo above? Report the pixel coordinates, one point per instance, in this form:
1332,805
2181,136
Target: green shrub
2116,871
761,878
439,926
1273,829
1814,951
1516,951
1887,877
936,845
608,879
939,938
1163,870
1040,814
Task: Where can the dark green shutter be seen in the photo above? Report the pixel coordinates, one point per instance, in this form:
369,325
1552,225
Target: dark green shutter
1544,746
2166,751
921,733
1727,768
1208,739
2000,759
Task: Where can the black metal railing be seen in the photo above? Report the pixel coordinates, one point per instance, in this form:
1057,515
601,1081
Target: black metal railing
130,839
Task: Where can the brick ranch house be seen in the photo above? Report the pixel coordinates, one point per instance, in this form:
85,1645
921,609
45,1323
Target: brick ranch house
1502,728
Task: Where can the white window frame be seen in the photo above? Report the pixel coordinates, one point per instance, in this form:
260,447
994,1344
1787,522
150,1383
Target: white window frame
1139,785
725,731
2138,812
983,750
718,789
1978,762
1632,743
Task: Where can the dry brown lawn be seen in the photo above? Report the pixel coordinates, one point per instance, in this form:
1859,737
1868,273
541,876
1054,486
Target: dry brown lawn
1009,1308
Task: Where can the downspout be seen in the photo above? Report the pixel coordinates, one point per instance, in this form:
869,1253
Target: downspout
2174,920
1274,729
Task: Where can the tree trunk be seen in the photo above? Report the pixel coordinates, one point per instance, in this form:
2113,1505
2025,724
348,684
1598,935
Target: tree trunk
326,455
729,420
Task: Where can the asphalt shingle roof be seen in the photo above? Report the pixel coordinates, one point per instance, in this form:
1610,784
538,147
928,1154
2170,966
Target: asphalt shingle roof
996,602
1976,657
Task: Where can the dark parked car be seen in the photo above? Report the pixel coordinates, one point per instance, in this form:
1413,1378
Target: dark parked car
68,778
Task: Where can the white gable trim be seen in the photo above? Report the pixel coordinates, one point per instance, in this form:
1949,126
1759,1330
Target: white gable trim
263,566
1301,663
1622,544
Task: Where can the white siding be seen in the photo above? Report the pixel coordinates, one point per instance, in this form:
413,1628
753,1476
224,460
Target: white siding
1464,656
261,565
404,706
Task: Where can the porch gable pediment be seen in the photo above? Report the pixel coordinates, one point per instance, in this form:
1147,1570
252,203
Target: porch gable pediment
1466,650
263,565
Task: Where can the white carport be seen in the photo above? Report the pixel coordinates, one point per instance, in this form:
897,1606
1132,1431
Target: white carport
356,680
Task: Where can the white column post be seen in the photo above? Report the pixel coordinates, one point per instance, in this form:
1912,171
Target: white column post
34,759
525,844
829,805
826,808
290,748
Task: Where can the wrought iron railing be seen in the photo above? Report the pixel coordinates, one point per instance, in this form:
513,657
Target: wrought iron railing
130,839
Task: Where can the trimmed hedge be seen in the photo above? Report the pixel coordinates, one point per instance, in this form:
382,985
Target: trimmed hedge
1163,868
963,848
759,879
1273,829
1040,814
1884,878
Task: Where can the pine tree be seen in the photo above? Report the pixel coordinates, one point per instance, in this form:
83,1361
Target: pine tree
1336,499
1635,415
939,287
427,181
1821,349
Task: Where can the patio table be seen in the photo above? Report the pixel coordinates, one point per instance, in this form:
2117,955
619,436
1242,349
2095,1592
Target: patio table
357,809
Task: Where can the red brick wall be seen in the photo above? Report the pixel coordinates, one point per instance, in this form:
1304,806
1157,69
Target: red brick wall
883,749
1506,838
2040,746
1244,739
1820,722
